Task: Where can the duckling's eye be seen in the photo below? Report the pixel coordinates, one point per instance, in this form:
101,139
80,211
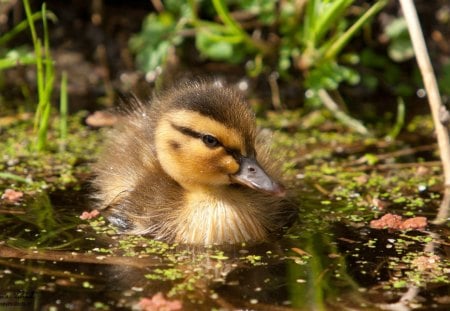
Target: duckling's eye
210,141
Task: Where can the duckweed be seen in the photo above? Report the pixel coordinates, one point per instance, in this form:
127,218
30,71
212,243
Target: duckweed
336,175
53,169
171,274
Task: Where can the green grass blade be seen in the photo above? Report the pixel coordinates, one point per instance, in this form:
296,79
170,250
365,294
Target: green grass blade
63,108
7,63
19,28
40,82
341,42
45,115
44,23
44,75
309,20
30,20
234,27
49,68
400,120
328,19
23,25
226,18
14,177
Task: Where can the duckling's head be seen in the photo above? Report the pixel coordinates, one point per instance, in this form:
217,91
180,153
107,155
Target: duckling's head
205,139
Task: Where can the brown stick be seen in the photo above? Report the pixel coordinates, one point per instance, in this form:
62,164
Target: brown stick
434,99
390,166
61,256
397,153
340,115
276,101
43,271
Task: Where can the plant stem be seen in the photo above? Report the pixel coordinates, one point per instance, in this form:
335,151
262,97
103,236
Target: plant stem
22,26
45,116
400,120
434,98
63,108
340,115
6,175
14,62
341,42
228,20
40,82
30,20
62,256
324,19
44,76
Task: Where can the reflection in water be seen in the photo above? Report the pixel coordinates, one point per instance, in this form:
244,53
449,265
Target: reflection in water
52,258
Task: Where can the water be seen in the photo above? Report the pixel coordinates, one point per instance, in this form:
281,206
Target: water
52,260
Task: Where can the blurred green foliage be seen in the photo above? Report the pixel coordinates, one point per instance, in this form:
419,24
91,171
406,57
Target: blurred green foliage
293,38
45,75
400,47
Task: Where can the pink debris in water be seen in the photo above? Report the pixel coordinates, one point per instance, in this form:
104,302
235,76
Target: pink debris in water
391,221
12,196
379,204
415,223
101,119
89,215
428,262
159,303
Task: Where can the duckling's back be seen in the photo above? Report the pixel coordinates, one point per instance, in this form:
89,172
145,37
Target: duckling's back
140,196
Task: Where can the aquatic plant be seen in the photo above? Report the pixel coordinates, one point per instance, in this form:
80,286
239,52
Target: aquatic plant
45,77
17,56
63,108
282,40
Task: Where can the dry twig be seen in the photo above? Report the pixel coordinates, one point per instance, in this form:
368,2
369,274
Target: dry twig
434,99
61,256
340,115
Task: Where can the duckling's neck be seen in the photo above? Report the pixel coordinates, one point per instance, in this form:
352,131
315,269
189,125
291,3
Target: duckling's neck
219,216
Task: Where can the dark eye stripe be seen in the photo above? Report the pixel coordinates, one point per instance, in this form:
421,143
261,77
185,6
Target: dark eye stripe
209,140
235,153
187,131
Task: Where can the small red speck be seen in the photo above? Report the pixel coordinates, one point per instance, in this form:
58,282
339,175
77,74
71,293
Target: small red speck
101,119
159,303
391,221
89,215
12,196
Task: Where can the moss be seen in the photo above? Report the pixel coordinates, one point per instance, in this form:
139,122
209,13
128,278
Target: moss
170,274
335,176
54,168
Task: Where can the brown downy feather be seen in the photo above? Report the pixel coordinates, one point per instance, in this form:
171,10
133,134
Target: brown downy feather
139,196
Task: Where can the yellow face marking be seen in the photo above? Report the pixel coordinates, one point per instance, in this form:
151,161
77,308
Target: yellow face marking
187,159
199,123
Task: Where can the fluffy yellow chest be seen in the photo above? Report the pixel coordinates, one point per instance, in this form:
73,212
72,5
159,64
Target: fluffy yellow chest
218,218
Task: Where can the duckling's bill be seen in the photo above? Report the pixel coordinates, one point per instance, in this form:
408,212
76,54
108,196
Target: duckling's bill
252,175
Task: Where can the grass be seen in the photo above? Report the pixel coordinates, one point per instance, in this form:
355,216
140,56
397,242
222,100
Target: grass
45,77
24,170
63,110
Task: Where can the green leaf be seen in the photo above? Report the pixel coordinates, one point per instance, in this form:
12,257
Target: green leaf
400,46
444,79
329,75
152,44
263,9
329,14
400,49
396,28
214,49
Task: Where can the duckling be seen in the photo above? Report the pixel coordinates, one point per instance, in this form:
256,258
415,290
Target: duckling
187,168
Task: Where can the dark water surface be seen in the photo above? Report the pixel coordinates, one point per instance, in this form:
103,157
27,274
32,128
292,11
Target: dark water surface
52,260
